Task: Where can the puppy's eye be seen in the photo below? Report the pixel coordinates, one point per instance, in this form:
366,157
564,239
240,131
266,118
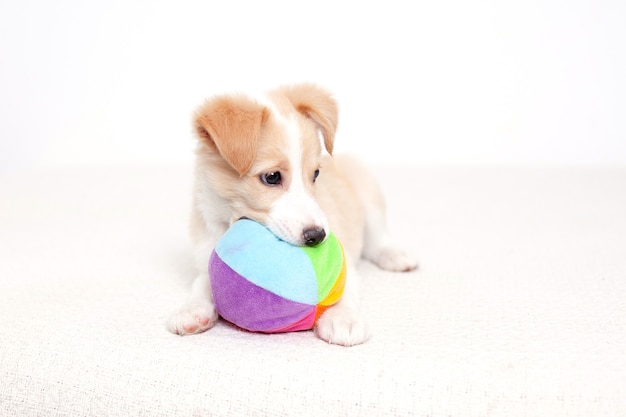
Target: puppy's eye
316,174
271,178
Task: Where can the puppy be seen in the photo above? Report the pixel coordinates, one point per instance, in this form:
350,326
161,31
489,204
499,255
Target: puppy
262,158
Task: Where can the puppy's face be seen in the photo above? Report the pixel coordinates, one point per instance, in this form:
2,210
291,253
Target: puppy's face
263,157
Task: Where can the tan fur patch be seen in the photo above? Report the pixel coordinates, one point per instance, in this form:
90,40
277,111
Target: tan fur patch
318,105
233,125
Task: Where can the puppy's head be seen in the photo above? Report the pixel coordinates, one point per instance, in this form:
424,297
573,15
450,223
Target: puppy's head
263,156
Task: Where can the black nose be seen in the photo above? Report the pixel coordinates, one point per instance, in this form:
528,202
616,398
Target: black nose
313,236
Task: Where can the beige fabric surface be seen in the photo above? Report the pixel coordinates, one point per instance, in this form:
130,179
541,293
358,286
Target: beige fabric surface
519,308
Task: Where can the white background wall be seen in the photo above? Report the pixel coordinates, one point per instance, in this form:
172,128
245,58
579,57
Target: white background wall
434,82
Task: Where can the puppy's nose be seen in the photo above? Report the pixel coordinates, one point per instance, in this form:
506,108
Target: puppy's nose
313,236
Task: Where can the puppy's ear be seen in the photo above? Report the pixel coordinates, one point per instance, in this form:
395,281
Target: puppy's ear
318,105
232,125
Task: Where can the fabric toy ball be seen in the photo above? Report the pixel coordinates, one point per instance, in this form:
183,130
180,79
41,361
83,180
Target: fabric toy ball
263,284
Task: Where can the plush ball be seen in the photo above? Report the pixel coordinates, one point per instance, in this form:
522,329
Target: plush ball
263,284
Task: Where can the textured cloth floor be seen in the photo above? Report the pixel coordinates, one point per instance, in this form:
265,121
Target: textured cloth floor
518,309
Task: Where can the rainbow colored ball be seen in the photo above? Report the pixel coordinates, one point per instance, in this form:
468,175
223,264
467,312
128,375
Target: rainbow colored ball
263,284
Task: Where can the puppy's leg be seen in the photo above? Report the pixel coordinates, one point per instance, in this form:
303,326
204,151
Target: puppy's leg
378,246
343,323
198,314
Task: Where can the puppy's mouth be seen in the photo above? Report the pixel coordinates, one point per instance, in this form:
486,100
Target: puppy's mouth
311,236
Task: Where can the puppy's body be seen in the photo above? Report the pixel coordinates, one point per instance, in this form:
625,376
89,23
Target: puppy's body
260,158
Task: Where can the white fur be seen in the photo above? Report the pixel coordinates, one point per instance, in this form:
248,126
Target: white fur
296,209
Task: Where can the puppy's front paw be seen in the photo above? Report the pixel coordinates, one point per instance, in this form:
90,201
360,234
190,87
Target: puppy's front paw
392,259
342,326
193,318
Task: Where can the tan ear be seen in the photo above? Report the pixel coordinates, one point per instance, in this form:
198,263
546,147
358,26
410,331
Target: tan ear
233,125
318,105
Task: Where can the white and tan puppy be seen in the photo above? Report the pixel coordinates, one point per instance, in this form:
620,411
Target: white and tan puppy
262,158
